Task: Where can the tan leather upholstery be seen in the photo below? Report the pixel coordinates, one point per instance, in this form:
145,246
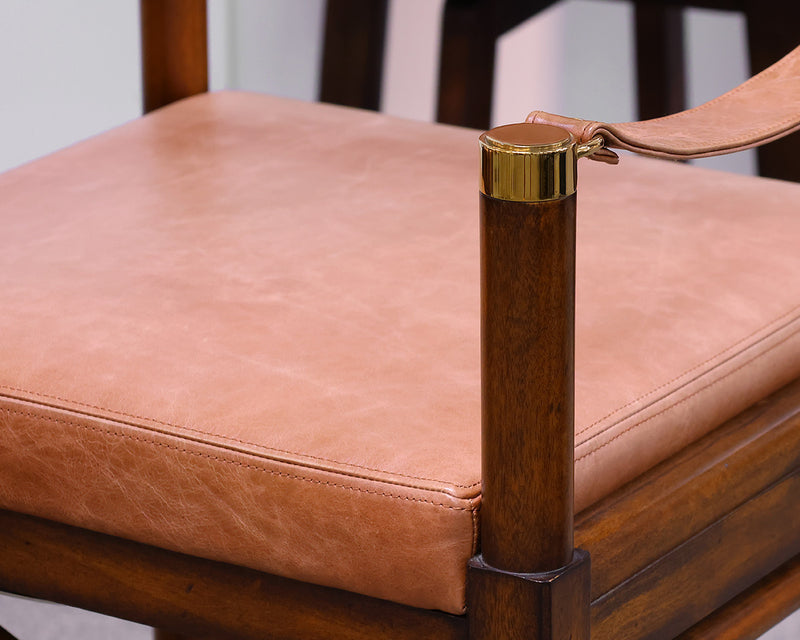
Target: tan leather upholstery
246,328
764,108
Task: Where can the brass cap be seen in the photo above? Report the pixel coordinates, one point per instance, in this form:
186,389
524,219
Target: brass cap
528,162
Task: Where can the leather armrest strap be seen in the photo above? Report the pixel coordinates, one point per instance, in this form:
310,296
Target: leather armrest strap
764,108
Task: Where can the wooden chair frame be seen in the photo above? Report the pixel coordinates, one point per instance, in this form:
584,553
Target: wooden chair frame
471,29
706,544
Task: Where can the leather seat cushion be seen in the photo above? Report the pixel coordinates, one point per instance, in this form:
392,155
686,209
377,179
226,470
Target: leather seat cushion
246,328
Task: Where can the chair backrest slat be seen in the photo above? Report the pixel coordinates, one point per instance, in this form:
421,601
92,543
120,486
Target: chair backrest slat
174,50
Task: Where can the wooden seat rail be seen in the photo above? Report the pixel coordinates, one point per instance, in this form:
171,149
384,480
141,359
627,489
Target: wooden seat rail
701,557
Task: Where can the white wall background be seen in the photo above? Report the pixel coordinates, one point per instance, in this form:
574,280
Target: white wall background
67,70
71,69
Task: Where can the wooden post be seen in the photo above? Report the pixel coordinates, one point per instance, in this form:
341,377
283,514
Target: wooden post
174,50
771,34
528,581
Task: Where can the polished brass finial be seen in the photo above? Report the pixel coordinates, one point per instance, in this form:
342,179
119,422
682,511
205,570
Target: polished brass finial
528,162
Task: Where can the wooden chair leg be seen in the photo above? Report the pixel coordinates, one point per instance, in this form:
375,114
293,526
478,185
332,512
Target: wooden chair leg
529,581
772,32
659,60
352,62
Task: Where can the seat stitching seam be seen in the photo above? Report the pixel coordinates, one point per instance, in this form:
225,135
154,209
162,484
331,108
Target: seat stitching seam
474,549
474,530
229,438
461,486
232,462
366,468
686,399
695,368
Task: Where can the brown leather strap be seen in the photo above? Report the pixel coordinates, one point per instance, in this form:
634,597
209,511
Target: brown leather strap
764,108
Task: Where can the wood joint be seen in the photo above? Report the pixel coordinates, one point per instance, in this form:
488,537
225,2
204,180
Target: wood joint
534,606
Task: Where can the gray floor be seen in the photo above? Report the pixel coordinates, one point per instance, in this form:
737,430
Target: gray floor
34,620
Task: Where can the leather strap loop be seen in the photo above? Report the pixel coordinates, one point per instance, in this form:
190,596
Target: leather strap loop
764,108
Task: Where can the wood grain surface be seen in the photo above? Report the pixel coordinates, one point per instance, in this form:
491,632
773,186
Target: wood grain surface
755,611
527,360
686,537
547,606
174,50
183,594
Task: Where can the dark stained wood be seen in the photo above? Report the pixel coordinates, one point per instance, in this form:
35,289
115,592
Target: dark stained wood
125,579
753,613
5,635
508,14
772,32
527,352
352,62
159,634
182,594
705,572
659,60
544,606
466,65
174,50
681,497
470,30
721,5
